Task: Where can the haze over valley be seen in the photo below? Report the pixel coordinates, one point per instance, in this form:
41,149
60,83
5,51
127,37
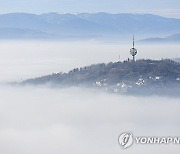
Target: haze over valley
43,119
21,60
76,119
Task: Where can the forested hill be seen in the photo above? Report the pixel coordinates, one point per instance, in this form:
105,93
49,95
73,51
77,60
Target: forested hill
140,77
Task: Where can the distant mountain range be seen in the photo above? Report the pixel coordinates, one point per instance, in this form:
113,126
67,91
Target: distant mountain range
62,26
143,77
172,38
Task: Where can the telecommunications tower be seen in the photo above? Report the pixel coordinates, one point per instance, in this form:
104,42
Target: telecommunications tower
133,51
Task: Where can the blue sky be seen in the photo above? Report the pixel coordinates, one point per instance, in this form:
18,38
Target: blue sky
170,8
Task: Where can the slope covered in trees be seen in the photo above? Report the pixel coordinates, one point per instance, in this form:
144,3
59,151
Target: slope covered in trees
140,77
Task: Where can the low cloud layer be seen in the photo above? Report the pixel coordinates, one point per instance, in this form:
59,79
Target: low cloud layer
42,120
20,60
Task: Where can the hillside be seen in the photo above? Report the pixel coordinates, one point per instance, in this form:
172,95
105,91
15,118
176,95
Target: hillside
145,77
60,26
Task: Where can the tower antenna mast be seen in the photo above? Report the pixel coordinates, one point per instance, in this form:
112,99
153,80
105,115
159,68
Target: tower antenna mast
133,41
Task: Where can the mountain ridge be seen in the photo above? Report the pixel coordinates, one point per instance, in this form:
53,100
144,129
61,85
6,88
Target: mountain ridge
175,38
147,77
97,24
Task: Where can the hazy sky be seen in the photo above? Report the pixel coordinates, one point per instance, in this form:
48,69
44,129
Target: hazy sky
169,8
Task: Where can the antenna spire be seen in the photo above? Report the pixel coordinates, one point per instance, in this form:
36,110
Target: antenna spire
133,41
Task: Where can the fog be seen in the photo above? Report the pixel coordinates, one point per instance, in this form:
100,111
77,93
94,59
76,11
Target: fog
41,120
20,60
44,120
